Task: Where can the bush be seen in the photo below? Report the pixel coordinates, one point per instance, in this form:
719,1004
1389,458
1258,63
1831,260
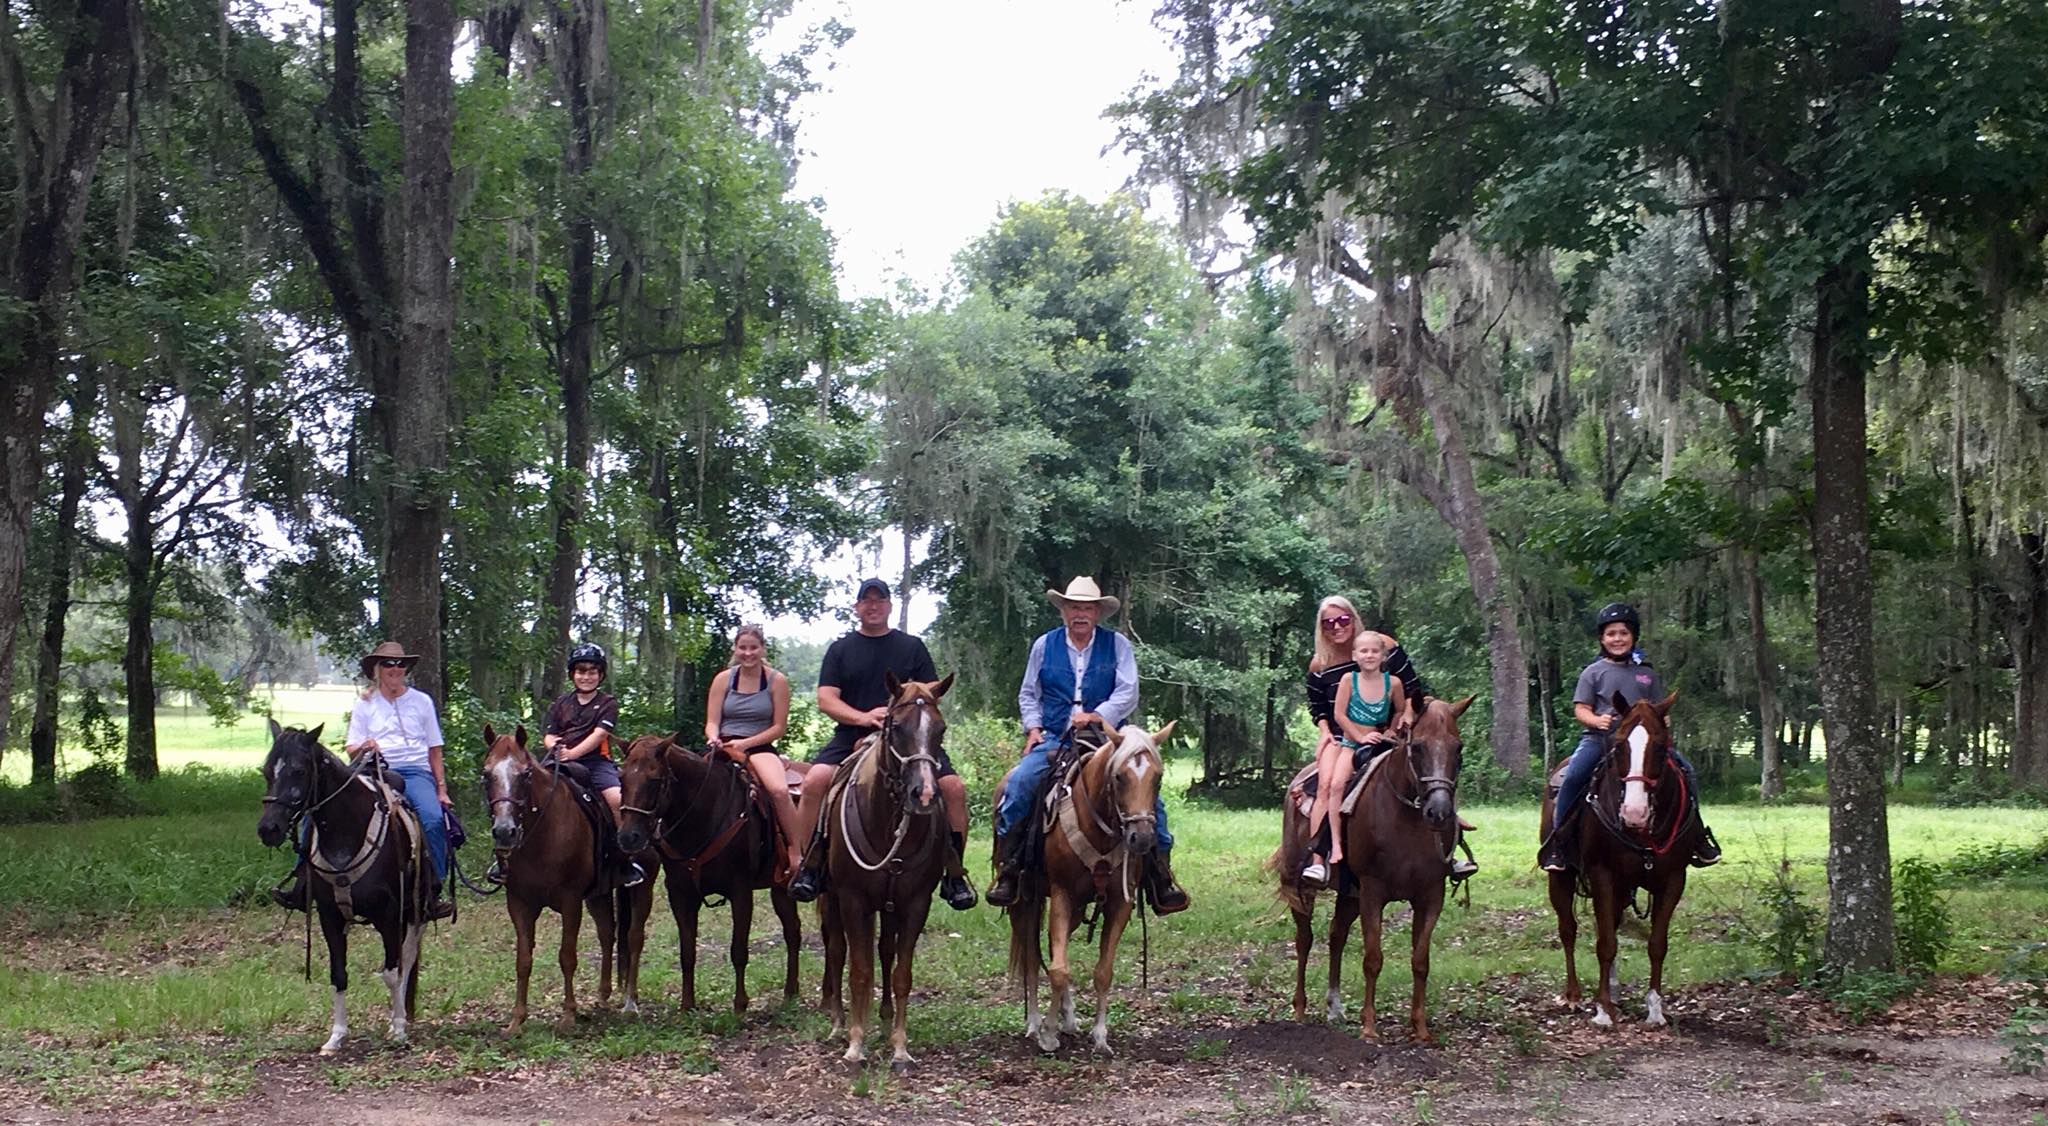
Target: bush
1991,861
1791,939
1923,932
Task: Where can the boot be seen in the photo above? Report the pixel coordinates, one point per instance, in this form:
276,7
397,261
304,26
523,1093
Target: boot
1556,853
953,886
290,893
1165,893
809,881
1463,867
1707,852
1009,869
438,905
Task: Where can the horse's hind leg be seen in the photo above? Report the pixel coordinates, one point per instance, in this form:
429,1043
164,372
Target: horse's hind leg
905,938
742,932
1422,926
1342,919
639,902
1059,932
859,924
686,907
1662,906
1105,972
1371,905
401,947
334,929
572,926
792,939
1304,943
1562,891
831,996
1026,917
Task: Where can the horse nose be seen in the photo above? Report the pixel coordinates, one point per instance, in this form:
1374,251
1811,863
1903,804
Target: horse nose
270,834
1140,840
503,830
632,839
1437,811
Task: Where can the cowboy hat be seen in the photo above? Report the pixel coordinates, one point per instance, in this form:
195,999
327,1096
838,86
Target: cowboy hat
387,651
1083,589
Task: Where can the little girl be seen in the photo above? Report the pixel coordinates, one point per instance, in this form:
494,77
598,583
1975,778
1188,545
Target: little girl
1368,701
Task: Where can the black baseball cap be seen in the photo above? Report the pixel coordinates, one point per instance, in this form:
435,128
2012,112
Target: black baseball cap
871,586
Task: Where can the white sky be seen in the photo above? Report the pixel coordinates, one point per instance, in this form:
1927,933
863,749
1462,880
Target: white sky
932,117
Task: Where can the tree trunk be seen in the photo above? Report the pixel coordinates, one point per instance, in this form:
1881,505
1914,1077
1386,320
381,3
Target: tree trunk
419,451
58,139
42,739
138,658
1859,933
2027,632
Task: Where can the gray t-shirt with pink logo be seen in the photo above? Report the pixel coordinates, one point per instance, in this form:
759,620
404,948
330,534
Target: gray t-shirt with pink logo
1603,678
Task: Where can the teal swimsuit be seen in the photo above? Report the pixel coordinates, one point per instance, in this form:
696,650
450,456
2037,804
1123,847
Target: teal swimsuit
1376,714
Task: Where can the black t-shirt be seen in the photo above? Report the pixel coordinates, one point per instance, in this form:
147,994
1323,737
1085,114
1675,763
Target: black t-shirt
574,720
858,665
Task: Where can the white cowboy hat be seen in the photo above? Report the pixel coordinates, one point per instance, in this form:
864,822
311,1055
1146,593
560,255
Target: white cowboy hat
1083,589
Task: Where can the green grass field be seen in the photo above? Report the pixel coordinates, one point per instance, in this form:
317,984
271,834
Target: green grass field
186,735
140,951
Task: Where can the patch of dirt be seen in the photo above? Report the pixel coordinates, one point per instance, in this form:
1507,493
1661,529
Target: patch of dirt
1736,1053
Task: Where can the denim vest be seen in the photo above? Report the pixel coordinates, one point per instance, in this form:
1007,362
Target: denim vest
1056,680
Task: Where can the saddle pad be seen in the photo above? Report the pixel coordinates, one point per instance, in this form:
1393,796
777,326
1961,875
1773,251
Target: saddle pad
1358,782
1304,788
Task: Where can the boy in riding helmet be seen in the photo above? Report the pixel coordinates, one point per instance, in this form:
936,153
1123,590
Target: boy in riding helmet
1620,669
579,730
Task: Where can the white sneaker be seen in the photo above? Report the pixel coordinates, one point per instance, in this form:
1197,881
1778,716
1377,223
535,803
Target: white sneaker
1317,873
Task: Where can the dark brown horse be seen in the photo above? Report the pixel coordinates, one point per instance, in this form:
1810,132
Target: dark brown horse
549,849
365,857
1397,841
887,826
700,811
1636,830
1103,831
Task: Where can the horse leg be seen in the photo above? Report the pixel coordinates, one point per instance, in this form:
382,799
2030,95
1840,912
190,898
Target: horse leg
401,947
686,908
1068,1022
1105,972
859,925
1606,918
742,933
603,920
1662,906
640,901
1371,902
1427,910
1027,915
792,939
1562,893
832,999
523,916
1304,942
907,931
885,952
334,929
1342,919
565,956
1059,929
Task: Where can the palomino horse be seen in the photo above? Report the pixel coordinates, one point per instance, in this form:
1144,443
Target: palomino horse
1634,831
716,837
1396,842
1102,832
887,825
550,852
366,859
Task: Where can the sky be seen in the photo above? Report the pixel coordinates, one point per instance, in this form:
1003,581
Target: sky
931,118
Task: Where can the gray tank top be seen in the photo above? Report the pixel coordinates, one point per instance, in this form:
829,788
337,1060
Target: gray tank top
746,713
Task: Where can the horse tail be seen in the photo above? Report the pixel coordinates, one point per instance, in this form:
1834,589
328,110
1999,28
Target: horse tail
1026,920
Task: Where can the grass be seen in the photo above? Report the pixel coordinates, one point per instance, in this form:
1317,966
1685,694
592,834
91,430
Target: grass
187,736
139,948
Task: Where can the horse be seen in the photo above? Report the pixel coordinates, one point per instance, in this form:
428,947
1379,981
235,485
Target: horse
1105,830
886,822
1633,832
550,853
1401,829
716,836
365,857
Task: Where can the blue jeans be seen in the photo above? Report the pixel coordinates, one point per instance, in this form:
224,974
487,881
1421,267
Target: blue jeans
426,801
1578,772
1027,787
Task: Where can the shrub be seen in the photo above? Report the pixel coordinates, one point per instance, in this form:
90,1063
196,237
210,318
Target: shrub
1922,928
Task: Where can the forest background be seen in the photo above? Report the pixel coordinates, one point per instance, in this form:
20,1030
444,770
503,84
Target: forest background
1482,313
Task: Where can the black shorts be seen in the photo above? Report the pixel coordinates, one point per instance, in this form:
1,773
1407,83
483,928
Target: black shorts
767,750
604,773
836,751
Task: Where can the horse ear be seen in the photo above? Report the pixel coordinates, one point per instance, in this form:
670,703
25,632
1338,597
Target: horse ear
1160,736
276,732
519,736
490,734
1664,706
892,682
314,734
944,683
1458,708
1620,704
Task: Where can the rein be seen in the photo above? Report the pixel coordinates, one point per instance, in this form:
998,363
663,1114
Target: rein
897,789
694,865
1649,851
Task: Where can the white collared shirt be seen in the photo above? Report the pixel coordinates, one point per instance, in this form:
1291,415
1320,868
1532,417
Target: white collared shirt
404,728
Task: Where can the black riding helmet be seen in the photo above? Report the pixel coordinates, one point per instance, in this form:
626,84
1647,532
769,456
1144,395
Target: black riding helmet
587,653
1618,612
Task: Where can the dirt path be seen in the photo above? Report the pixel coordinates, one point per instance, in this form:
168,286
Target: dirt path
1736,1054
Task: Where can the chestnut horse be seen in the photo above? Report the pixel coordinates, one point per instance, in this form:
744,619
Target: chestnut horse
365,858
716,836
1634,831
1095,853
886,823
549,849
1397,840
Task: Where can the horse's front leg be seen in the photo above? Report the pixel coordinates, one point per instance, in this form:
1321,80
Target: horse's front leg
523,915
907,931
1342,919
832,998
885,950
334,929
1427,910
1563,892
401,952
565,956
1059,926
1304,943
640,902
1606,920
859,924
1105,972
742,933
1371,902
792,939
685,904
1662,906
603,921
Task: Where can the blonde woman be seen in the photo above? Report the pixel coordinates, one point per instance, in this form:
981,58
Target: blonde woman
747,712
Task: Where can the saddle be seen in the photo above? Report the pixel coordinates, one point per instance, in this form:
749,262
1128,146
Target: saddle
391,804
1364,761
603,829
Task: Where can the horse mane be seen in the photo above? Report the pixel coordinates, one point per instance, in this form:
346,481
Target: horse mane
315,748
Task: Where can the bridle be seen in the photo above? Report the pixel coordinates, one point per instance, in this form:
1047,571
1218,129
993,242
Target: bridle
1642,841
897,782
1426,785
532,805
660,826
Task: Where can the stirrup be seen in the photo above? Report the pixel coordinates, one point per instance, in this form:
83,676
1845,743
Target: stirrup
495,874
632,875
1463,869
1707,853
957,892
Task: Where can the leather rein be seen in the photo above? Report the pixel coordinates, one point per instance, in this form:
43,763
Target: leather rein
898,789
663,827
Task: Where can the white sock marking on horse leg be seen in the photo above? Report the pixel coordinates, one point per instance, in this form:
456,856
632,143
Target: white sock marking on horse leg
1102,1025
1068,1021
1333,1006
1656,1006
337,1031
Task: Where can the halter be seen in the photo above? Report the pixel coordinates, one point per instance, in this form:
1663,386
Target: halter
532,805
1427,784
660,827
1641,840
898,788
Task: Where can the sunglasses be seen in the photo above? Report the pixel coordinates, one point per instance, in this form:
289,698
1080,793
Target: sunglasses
1337,621
392,663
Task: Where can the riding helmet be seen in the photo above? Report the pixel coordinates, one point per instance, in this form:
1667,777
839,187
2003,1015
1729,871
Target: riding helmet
587,653
1618,612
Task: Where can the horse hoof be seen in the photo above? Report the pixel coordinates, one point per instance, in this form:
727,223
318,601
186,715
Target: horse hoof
1602,1020
631,1007
1368,1035
1048,1040
901,1064
330,1049
855,1055
1102,1047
